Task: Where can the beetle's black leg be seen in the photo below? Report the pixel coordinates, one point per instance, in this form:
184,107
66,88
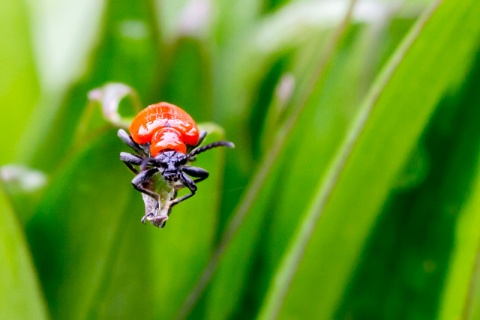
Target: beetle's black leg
190,184
203,134
199,173
143,177
130,159
196,172
127,139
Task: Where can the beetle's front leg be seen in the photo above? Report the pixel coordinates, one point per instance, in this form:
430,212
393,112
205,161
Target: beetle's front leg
143,177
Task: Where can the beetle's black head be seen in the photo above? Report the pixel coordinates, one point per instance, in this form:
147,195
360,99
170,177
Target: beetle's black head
171,162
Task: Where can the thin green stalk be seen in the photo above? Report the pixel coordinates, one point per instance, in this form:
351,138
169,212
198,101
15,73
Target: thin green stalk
264,171
294,255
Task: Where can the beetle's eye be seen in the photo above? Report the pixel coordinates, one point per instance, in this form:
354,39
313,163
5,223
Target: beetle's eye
161,162
181,160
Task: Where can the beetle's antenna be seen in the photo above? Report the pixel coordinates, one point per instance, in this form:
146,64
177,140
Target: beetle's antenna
196,151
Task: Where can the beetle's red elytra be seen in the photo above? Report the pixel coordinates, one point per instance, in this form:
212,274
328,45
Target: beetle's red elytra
164,126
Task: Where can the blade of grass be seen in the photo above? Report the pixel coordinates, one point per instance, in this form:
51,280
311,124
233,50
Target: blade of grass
262,173
127,270
385,109
185,244
458,296
63,37
19,90
416,227
75,228
294,255
323,125
271,39
472,304
20,294
128,39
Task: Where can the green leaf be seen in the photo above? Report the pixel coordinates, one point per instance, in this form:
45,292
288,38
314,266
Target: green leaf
127,268
387,128
129,38
394,180
20,294
322,124
189,82
75,231
63,38
19,89
461,295
181,250
417,226
252,217
92,249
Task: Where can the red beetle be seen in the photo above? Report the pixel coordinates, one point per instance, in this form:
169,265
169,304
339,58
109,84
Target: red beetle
165,139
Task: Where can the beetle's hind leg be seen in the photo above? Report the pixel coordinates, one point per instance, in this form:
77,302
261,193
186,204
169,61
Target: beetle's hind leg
142,178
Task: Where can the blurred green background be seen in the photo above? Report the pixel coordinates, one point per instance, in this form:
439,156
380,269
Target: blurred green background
353,191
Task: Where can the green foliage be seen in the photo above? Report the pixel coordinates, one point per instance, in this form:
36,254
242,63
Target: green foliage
19,292
353,191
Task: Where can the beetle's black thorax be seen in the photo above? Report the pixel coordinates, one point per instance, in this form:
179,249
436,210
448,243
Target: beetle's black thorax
170,164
